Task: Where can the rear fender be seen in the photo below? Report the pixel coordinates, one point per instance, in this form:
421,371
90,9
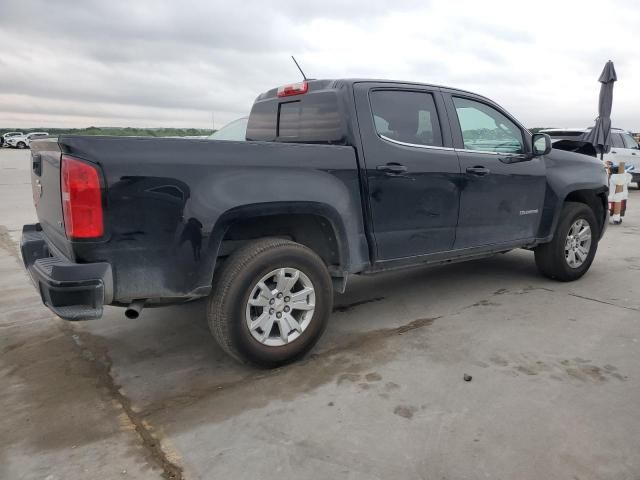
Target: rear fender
350,256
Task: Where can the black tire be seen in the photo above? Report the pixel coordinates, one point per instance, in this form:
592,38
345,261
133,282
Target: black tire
550,257
21,145
233,284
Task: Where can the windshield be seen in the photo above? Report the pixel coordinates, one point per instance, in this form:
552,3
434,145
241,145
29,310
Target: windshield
236,130
629,141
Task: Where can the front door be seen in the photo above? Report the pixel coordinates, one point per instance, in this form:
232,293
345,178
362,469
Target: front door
411,169
502,194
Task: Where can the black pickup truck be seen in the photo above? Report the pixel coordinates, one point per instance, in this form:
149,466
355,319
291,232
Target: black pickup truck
335,178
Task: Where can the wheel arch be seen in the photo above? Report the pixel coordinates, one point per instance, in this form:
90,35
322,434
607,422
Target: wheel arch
594,198
313,224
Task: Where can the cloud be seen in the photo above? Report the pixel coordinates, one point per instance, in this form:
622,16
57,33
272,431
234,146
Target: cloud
151,63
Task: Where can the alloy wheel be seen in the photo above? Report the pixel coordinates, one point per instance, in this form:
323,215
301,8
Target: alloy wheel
280,307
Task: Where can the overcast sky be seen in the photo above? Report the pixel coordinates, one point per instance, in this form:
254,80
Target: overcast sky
148,63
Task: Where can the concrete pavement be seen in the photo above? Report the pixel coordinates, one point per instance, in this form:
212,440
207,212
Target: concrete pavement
554,388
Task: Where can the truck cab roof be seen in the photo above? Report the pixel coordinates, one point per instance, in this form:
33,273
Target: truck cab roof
315,110
315,85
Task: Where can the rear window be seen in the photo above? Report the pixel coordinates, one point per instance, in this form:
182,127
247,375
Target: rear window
314,117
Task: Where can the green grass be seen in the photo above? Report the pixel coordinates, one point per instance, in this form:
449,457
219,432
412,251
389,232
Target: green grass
116,131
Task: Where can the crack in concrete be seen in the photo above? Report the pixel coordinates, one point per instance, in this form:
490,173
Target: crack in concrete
101,364
633,309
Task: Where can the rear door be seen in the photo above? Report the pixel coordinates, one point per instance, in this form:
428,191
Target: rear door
503,187
411,168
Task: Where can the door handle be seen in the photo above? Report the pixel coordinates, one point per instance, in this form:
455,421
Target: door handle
392,168
478,170
613,151
633,153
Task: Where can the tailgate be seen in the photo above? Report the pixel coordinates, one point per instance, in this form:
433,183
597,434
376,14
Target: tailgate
45,185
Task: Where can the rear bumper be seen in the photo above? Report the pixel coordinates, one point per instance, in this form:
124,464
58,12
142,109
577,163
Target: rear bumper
73,291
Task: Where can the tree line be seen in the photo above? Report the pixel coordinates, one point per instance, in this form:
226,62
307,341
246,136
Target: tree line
117,131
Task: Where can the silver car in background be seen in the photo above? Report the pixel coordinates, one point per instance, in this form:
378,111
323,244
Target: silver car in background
4,140
24,141
624,147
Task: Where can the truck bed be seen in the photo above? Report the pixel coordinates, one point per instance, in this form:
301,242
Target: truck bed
168,202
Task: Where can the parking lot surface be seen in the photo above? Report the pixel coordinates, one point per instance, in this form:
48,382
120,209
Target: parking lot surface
554,390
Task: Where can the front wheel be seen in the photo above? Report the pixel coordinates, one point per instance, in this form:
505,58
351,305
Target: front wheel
21,145
570,254
270,303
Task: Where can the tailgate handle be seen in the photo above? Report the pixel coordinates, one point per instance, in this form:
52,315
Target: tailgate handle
36,163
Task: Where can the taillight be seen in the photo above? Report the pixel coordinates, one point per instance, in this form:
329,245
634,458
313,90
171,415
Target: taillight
294,89
81,199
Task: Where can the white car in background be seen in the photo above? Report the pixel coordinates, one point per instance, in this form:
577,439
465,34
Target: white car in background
4,140
24,141
624,148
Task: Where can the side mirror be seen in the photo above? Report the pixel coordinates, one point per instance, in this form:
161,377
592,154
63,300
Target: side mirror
541,143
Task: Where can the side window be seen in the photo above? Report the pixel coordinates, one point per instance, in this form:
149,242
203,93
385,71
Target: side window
405,116
629,141
616,140
486,129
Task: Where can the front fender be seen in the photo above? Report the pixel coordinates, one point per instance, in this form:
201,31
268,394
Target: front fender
571,177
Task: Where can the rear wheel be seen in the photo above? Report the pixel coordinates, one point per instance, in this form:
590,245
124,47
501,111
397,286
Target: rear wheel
570,254
270,303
